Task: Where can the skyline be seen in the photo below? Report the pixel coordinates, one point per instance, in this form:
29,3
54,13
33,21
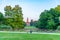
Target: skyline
30,8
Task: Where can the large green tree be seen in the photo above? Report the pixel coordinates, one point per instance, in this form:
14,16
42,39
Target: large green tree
14,17
49,19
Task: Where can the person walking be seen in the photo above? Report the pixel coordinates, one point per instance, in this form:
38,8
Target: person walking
30,31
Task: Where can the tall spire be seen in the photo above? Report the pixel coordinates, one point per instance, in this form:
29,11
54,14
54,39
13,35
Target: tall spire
27,22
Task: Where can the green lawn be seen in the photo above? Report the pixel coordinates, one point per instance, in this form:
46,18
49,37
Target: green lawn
26,36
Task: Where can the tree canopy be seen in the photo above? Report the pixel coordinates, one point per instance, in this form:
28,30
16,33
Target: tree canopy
49,19
14,17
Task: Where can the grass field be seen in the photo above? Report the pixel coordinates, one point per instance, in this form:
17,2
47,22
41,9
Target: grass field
27,36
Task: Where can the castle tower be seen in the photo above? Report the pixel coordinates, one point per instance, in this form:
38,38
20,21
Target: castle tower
27,22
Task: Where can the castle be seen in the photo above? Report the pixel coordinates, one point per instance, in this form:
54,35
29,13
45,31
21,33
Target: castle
27,22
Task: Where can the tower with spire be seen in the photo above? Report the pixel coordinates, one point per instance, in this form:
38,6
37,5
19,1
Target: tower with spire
27,22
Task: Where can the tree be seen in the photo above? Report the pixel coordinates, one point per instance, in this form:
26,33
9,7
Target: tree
1,18
24,24
14,17
18,16
50,24
49,19
44,18
31,23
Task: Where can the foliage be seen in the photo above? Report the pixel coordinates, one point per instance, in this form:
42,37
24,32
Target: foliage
14,17
49,19
2,26
1,18
35,23
31,23
24,24
58,27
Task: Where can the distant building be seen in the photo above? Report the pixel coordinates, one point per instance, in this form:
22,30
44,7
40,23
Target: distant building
32,22
27,22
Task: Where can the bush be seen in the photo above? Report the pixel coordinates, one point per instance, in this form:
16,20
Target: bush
58,28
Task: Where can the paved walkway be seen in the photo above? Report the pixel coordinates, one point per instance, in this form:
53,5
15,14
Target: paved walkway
29,32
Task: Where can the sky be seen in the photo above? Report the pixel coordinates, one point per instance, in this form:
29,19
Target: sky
30,8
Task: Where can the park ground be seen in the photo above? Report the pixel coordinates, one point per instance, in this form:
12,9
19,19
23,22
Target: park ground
6,35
